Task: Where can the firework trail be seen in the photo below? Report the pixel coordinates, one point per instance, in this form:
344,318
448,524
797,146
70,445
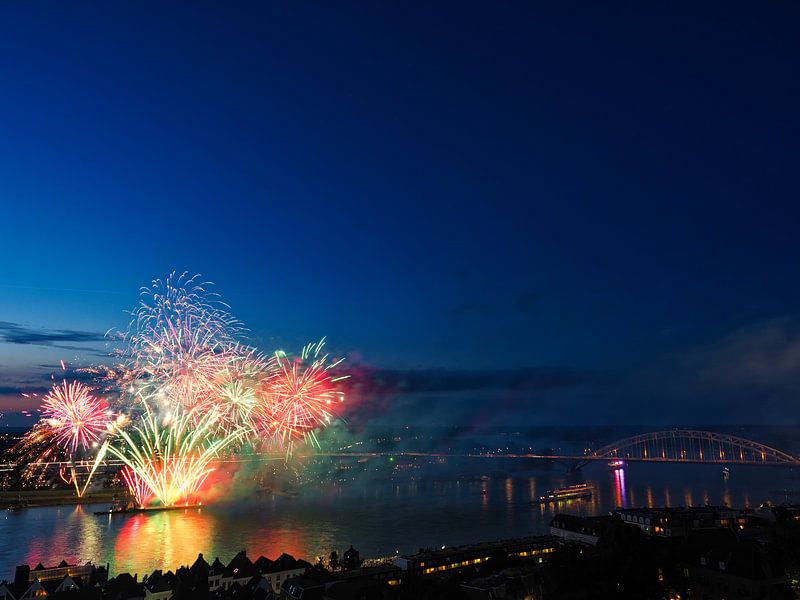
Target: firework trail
72,424
178,341
187,390
34,451
299,397
236,387
172,455
137,487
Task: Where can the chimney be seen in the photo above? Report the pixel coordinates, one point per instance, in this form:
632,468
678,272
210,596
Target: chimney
22,577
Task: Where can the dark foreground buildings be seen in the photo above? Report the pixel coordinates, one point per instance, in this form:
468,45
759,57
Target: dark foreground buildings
708,553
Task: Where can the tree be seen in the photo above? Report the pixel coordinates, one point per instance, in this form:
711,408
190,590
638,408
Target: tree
333,561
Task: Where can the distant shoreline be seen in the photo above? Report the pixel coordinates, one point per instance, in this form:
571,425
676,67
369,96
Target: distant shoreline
20,499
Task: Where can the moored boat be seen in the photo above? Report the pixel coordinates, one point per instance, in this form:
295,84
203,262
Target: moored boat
116,510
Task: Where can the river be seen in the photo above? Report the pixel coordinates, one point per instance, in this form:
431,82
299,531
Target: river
463,501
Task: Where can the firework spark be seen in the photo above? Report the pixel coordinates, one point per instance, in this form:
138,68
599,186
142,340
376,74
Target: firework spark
171,455
187,392
136,486
299,397
76,417
179,339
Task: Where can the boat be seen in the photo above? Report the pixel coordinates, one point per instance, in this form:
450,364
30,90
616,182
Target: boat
726,473
570,492
129,510
616,464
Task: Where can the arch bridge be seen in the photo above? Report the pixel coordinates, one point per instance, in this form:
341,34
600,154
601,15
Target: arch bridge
691,446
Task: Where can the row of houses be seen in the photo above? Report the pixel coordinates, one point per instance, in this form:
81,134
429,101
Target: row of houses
284,578
262,577
716,552
667,522
42,582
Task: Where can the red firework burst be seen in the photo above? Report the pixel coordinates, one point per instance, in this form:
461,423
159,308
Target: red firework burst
301,395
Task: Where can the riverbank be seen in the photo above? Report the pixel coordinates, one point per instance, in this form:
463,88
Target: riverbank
34,498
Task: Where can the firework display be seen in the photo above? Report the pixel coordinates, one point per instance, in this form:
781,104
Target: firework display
187,393
300,394
76,418
170,456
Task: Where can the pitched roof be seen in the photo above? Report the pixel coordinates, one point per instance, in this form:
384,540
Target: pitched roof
160,582
217,566
286,562
262,564
200,562
124,585
240,566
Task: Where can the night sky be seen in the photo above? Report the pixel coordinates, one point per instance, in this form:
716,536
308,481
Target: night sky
503,213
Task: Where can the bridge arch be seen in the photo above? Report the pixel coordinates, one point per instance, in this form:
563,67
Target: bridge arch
690,445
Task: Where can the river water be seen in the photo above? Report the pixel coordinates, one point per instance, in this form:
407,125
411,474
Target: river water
459,502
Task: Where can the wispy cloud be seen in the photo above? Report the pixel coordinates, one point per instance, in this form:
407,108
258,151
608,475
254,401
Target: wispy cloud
16,390
14,333
449,380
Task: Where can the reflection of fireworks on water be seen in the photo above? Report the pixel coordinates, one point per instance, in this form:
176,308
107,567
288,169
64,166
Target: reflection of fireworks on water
300,396
172,455
74,415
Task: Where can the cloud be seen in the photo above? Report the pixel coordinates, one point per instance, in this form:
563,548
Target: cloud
452,395
14,333
448,380
763,355
7,390
750,374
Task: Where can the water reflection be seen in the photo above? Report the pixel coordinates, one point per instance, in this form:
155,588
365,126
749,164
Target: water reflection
621,496
378,518
169,538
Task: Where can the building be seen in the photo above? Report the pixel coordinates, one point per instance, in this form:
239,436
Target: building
87,572
460,558
679,521
318,584
351,558
124,586
277,571
715,565
159,585
310,586
509,583
239,571
583,530
65,578
389,574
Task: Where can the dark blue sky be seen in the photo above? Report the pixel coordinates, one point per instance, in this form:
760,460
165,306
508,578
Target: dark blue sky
599,200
